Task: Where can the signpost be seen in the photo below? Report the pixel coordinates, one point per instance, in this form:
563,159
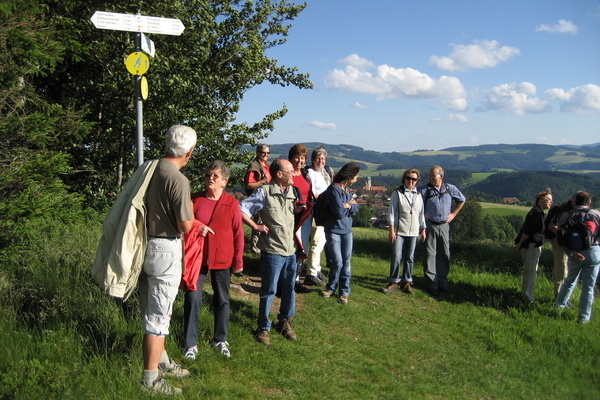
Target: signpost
137,23
137,63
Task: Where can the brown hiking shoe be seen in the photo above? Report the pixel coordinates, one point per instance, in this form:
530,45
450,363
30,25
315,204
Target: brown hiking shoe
408,288
390,288
284,327
326,293
263,336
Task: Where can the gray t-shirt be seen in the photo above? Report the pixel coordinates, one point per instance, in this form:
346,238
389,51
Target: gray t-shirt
168,200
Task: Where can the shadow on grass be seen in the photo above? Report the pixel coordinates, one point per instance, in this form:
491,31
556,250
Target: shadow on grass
488,257
458,292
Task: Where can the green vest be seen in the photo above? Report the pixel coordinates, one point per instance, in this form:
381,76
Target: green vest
278,214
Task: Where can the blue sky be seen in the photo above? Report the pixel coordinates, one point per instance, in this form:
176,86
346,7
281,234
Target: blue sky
395,75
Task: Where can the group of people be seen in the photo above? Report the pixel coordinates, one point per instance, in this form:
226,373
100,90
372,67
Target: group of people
279,210
163,238
569,265
186,237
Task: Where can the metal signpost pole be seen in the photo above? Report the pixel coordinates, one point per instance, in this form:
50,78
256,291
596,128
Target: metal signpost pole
139,105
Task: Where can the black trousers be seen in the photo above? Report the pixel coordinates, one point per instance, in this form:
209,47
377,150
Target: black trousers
220,280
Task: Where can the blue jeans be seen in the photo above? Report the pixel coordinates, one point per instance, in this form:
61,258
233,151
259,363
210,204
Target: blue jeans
588,271
404,253
340,250
276,270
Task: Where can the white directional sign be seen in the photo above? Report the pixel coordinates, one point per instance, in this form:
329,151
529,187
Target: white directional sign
148,45
137,23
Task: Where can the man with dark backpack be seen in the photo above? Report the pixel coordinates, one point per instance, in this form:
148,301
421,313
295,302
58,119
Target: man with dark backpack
584,259
560,256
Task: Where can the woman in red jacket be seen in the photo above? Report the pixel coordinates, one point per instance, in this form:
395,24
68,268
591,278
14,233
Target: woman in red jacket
215,245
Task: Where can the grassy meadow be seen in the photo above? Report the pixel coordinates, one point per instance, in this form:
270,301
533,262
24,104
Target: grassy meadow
504,209
62,338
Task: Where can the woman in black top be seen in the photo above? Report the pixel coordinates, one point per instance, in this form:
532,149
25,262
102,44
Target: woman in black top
529,243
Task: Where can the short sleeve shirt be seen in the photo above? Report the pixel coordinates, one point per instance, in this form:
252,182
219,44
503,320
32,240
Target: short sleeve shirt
168,200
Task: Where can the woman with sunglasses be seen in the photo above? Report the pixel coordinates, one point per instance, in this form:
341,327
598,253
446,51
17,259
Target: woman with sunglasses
406,223
218,241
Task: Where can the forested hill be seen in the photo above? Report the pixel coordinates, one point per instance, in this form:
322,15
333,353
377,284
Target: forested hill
484,158
526,184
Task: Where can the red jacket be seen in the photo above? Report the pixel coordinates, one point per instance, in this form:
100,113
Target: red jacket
225,248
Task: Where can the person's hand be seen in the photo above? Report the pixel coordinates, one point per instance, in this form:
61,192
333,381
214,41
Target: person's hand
262,228
423,235
205,230
392,236
450,217
577,257
237,271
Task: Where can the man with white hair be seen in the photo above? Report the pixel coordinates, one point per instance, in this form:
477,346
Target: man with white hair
169,216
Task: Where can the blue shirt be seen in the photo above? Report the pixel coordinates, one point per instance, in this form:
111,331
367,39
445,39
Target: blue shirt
438,203
340,220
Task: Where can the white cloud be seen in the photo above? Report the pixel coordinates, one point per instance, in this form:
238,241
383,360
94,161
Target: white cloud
359,105
562,26
323,125
451,117
387,82
515,98
579,100
481,54
357,61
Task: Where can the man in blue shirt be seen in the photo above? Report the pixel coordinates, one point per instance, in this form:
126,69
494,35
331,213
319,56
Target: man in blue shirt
439,199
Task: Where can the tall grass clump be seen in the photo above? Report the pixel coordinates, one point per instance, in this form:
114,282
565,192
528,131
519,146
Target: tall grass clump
60,318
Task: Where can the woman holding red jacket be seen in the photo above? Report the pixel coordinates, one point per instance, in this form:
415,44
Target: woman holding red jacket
216,246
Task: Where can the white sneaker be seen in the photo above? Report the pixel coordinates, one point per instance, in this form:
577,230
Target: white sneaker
160,386
190,353
173,369
222,347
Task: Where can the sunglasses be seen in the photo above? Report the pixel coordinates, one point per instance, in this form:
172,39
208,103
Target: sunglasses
411,179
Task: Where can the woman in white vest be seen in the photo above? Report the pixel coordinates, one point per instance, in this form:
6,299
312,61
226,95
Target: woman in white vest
406,223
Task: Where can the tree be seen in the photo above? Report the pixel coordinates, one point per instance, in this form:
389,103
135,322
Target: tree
468,224
33,131
363,216
198,78
498,228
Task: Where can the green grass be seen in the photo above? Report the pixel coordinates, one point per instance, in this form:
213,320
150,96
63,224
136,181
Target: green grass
478,342
477,177
504,209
